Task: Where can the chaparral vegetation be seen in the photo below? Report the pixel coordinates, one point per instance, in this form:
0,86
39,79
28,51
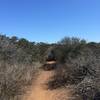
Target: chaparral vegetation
78,66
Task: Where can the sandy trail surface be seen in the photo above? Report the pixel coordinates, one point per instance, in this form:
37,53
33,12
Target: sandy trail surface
39,91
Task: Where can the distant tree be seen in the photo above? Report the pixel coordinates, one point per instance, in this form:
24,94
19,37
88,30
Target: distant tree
65,41
14,39
83,41
75,41
23,43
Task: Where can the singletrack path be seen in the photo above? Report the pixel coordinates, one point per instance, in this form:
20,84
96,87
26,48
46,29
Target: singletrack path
39,89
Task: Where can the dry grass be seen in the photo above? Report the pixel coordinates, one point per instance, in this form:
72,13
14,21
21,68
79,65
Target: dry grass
15,79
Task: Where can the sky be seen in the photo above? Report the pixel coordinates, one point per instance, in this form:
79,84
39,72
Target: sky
50,20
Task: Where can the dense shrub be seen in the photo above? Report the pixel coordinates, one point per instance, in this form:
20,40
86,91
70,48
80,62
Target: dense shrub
81,71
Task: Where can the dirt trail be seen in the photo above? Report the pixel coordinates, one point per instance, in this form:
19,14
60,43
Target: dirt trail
39,92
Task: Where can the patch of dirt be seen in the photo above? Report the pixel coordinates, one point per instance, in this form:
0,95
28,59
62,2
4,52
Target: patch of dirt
39,90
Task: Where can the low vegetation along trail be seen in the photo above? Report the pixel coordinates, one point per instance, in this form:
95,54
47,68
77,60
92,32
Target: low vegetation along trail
39,90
